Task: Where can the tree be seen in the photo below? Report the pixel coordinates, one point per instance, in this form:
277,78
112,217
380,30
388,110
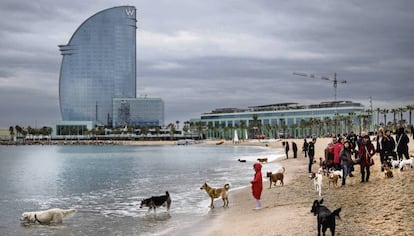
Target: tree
177,122
171,127
303,125
11,131
410,109
394,122
385,113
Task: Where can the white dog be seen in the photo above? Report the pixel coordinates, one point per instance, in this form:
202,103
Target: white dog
54,215
406,163
395,163
317,182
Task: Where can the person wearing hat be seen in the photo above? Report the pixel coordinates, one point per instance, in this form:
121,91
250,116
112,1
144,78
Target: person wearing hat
366,153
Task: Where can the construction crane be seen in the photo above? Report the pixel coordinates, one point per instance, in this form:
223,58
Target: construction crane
334,80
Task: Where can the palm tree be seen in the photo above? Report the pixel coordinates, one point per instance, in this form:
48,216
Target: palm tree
275,128
401,110
385,113
328,122
171,126
293,127
378,113
303,125
177,122
394,112
351,117
11,131
410,109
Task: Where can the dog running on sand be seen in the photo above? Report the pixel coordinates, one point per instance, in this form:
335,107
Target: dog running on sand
157,201
217,192
325,218
54,215
262,160
275,177
317,182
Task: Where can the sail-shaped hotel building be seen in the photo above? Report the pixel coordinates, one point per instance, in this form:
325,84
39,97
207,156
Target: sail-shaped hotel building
97,83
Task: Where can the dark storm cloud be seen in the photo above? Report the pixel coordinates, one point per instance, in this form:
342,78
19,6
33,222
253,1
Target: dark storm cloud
199,56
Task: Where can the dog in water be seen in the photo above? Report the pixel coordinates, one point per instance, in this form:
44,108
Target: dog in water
275,177
317,182
241,160
325,218
217,192
157,201
54,215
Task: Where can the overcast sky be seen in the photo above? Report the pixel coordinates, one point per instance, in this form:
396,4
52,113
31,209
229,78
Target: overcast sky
202,55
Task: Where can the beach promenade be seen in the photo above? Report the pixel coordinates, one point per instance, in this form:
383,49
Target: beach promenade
379,207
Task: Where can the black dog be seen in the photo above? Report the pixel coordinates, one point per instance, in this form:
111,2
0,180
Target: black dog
157,201
326,218
241,160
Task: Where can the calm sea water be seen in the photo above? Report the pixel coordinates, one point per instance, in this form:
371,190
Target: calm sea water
106,184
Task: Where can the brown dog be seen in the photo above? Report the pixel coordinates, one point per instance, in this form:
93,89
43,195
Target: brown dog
262,160
333,178
388,171
275,177
217,192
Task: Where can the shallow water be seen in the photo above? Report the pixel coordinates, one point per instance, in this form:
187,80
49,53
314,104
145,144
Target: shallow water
106,184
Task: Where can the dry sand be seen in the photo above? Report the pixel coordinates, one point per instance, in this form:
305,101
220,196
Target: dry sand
379,207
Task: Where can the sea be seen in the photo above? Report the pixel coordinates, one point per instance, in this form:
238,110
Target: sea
107,183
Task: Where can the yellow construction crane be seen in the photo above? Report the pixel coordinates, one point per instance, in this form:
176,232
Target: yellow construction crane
334,80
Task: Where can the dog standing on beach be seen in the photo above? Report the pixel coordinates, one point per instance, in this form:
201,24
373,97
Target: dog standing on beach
406,164
325,218
216,193
333,178
387,171
275,177
317,182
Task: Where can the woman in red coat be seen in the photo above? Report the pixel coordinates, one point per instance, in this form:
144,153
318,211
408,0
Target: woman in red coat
257,185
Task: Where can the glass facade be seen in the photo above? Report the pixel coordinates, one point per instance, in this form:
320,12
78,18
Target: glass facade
138,111
278,115
99,64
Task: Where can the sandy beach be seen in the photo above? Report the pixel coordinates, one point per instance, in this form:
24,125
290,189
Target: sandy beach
379,207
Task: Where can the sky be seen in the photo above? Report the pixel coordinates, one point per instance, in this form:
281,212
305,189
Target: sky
201,55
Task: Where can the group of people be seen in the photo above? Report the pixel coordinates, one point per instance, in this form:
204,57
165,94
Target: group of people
338,154
287,148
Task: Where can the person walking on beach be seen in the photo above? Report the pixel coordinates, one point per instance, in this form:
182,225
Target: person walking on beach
311,153
402,144
295,150
366,152
346,161
287,149
257,185
336,150
305,147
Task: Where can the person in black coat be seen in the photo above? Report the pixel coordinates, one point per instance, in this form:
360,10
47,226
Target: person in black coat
305,147
295,150
311,153
287,149
402,144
